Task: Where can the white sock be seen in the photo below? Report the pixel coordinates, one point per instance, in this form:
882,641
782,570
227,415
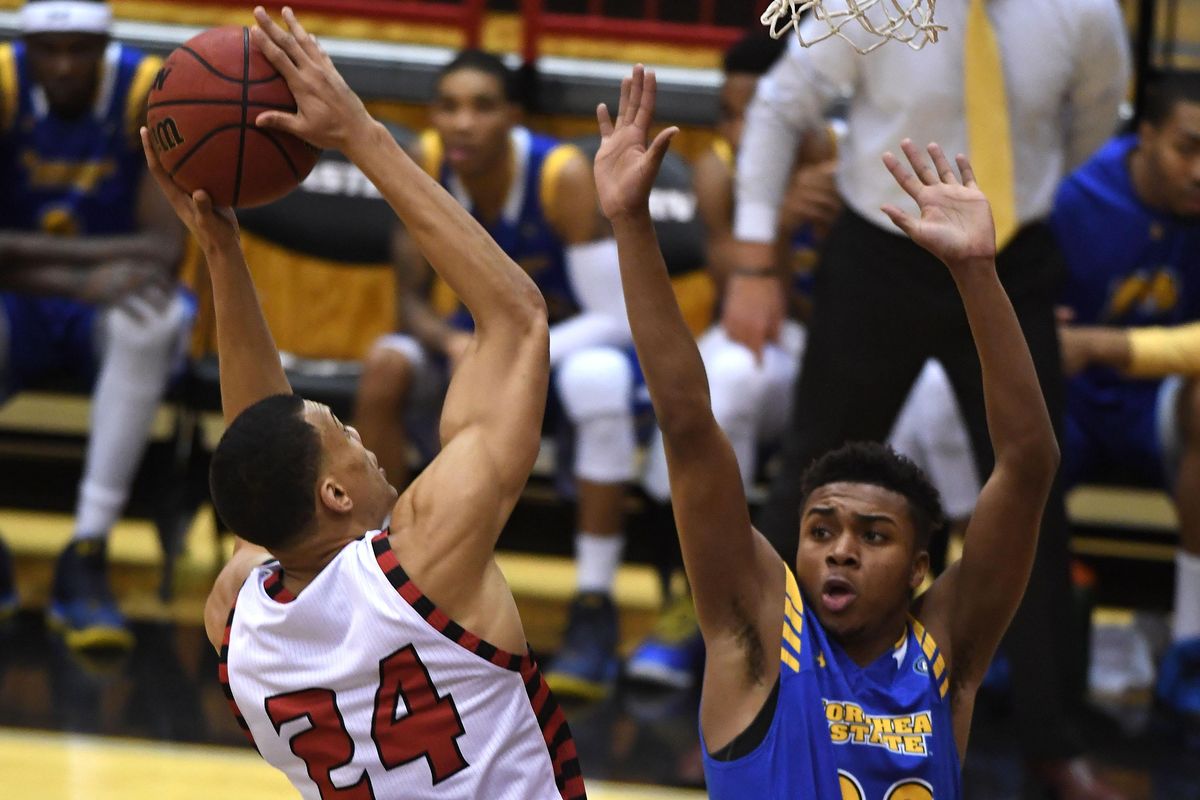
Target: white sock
596,561
138,355
1187,596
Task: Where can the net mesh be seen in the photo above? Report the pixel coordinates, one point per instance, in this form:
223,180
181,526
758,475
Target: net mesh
907,21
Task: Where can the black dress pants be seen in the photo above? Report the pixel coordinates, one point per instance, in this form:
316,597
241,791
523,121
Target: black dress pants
883,305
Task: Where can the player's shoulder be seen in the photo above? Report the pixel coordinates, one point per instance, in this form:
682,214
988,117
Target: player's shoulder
1103,177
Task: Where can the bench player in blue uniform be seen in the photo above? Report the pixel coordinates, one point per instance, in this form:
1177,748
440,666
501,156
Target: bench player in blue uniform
872,692
1128,222
88,250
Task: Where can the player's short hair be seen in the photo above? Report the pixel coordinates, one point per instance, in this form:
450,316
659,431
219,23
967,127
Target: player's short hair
879,465
487,63
754,54
1167,90
264,471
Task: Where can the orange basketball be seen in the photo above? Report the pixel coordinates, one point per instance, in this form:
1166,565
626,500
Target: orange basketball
201,112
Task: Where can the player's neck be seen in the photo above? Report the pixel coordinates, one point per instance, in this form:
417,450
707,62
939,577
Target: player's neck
1144,185
489,187
302,564
865,647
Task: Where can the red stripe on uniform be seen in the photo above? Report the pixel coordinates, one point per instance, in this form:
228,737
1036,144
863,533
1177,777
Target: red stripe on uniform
564,757
223,675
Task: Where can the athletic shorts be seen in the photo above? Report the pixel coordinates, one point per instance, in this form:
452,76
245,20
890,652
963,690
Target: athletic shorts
41,336
1122,433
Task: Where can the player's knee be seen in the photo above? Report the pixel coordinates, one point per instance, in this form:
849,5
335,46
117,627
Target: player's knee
386,377
737,384
145,327
597,382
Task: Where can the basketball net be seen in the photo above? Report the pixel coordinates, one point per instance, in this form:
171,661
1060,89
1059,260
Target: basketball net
907,21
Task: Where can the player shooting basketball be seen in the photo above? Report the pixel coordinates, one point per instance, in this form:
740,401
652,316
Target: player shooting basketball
872,693
334,644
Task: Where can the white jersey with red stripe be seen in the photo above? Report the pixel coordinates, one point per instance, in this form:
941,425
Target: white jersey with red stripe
361,688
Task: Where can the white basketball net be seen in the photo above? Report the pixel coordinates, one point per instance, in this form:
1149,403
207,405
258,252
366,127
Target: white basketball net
907,21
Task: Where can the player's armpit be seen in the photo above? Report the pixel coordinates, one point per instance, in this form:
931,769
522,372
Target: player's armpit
226,587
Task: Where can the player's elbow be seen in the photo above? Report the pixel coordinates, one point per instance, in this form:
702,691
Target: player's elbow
1035,458
687,425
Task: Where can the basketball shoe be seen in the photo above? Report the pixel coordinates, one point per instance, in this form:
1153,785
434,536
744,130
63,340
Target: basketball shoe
586,665
673,654
82,607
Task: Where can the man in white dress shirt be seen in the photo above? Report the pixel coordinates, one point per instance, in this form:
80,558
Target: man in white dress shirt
1062,69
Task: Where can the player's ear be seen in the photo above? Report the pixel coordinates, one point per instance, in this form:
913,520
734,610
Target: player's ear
335,497
920,568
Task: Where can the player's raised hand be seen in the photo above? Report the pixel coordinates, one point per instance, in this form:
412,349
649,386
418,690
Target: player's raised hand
328,112
212,227
625,166
956,220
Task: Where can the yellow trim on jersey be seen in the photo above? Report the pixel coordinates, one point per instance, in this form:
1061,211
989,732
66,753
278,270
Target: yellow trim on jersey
552,167
8,86
139,87
790,660
723,150
793,621
791,637
930,648
432,152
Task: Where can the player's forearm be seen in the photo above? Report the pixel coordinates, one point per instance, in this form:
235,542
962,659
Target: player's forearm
35,249
489,283
54,280
1104,346
428,328
665,347
764,163
249,361
1018,421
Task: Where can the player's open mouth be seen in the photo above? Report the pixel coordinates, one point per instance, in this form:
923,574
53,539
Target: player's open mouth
837,594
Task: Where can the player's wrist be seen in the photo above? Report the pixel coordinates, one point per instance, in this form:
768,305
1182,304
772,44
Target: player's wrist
365,137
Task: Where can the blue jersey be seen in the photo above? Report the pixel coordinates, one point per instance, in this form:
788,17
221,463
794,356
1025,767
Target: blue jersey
844,732
522,230
77,176
1127,264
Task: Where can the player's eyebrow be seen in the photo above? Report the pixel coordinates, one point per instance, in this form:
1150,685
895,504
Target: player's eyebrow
870,519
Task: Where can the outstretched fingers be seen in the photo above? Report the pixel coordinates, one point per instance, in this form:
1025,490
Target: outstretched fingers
637,87
623,105
605,120
942,164
644,113
907,181
269,38
968,173
305,40
924,171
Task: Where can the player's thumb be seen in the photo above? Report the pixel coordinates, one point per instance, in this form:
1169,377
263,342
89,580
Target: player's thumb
660,145
277,120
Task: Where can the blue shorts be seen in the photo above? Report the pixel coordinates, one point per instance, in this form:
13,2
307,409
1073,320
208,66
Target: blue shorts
47,335
1121,433
54,335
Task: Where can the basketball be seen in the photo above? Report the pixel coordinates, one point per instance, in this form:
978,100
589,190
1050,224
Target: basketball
200,115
